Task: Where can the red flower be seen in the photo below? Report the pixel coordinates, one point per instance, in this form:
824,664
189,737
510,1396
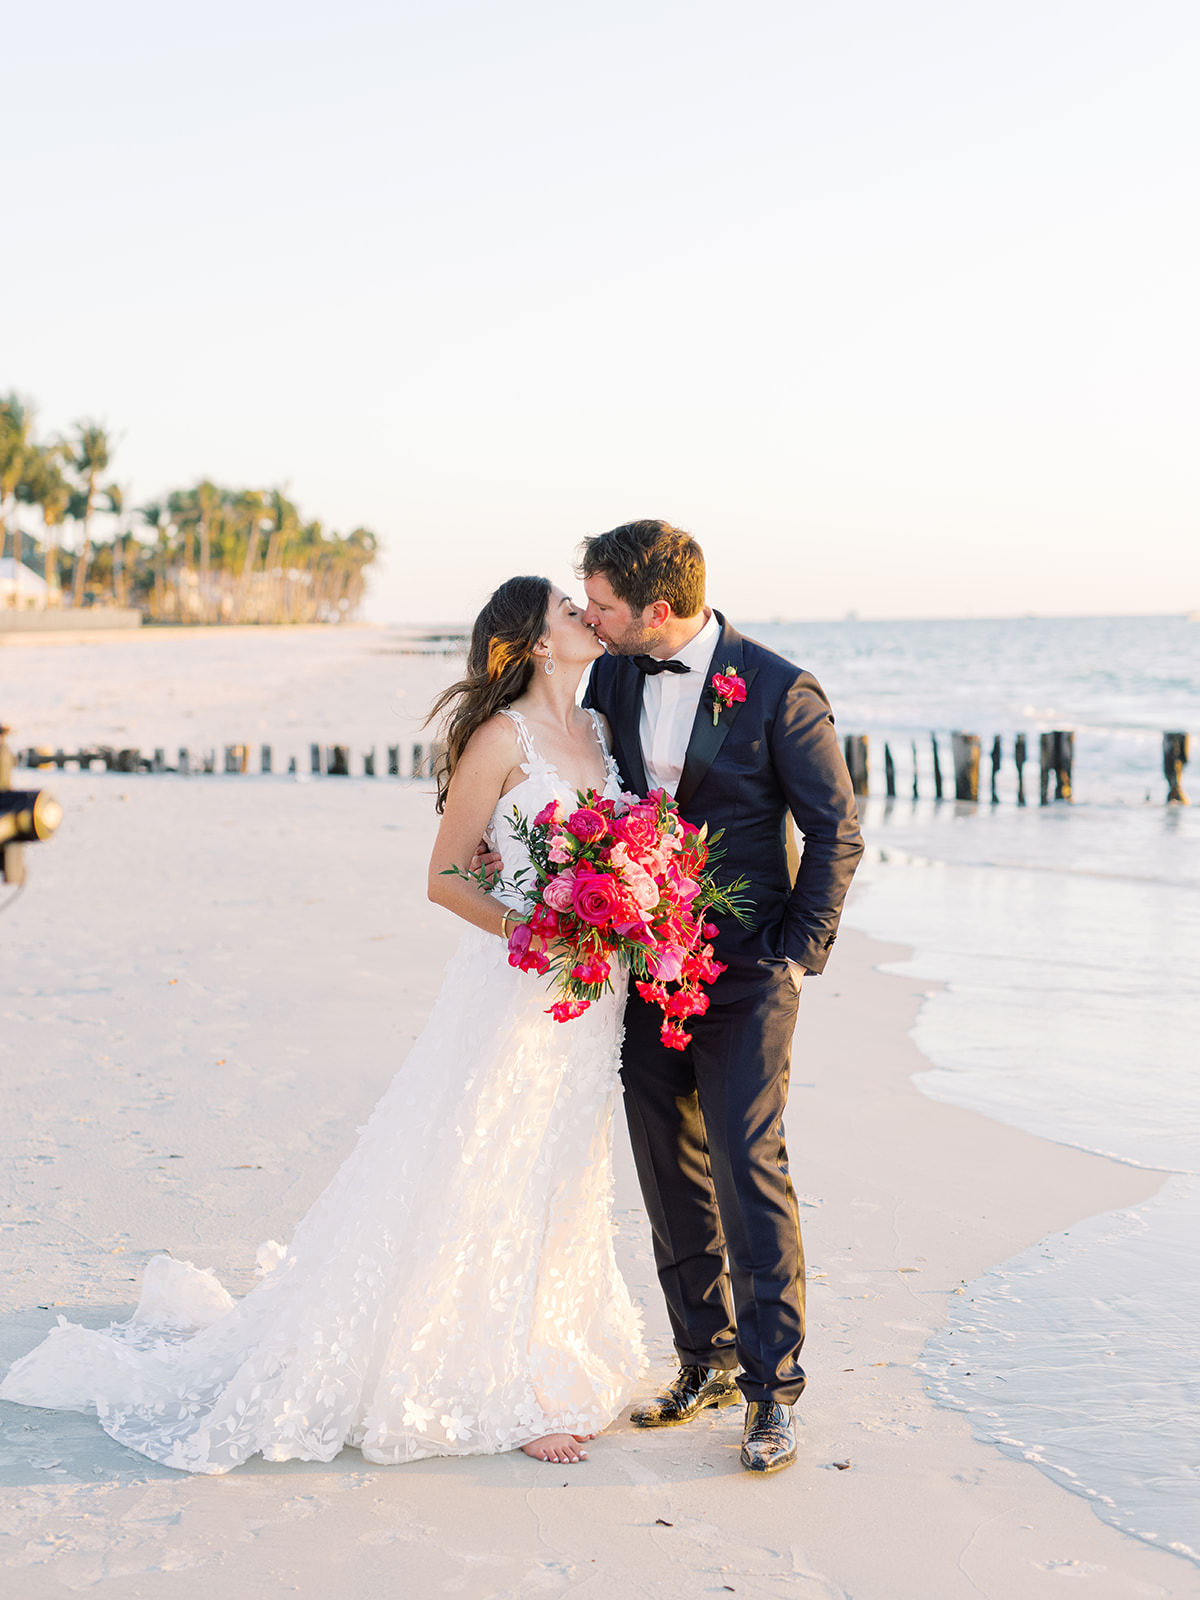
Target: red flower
728,689
548,814
701,966
686,1001
652,993
587,824
521,953
564,1010
592,969
666,962
596,898
673,1036
544,921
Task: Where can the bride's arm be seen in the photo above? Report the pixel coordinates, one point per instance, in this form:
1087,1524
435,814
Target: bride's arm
491,754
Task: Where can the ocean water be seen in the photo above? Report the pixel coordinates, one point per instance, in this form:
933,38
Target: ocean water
1065,944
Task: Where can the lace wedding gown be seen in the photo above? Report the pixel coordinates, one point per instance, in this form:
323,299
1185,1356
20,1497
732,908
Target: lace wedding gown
452,1292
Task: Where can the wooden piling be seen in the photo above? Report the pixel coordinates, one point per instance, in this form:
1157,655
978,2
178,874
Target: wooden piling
291,766
314,759
965,747
995,768
264,758
937,768
236,757
184,764
160,760
337,761
889,771
1056,755
209,763
369,762
856,761
1019,756
418,760
393,759
1045,767
916,793
1064,760
1175,758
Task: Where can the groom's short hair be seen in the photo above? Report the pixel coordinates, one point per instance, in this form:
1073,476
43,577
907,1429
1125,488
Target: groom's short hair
648,561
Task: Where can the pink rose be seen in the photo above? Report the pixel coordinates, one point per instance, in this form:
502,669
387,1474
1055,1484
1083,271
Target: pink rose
560,849
587,824
596,897
558,892
637,831
641,886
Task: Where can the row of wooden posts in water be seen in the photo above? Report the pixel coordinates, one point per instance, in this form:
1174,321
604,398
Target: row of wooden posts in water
1056,754
332,760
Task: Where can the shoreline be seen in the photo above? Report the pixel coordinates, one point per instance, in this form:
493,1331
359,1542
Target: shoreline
187,1072
34,637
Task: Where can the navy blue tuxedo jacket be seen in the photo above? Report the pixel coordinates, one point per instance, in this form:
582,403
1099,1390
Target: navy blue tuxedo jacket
772,754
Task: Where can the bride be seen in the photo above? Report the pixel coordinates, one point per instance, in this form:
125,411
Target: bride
454,1290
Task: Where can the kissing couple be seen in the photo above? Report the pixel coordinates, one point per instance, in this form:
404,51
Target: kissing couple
454,1291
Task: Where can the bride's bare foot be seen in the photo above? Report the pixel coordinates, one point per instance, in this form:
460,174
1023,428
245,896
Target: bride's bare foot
559,1447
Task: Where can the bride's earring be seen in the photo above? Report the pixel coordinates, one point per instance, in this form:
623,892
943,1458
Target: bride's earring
549,663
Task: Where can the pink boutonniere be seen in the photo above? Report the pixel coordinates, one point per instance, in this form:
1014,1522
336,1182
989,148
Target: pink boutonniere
727,690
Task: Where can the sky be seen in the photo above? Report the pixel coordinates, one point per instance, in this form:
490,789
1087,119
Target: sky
892,305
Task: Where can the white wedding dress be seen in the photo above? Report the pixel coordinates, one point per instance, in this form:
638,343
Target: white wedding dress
452,1292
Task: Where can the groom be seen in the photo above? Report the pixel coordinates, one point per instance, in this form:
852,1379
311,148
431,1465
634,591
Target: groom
706,1122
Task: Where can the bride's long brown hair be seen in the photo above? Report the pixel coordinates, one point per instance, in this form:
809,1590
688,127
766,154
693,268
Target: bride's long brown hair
499,667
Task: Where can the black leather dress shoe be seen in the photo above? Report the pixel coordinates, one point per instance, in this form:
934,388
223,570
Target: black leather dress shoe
769,1439
693,1391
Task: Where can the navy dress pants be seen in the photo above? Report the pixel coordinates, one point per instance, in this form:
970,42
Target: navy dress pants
706,1125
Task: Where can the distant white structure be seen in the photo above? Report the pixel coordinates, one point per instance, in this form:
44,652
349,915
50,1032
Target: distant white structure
20,586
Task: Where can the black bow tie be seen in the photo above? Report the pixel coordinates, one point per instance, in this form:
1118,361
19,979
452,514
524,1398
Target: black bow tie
650,666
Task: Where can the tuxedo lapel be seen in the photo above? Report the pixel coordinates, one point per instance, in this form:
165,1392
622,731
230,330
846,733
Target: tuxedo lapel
706,737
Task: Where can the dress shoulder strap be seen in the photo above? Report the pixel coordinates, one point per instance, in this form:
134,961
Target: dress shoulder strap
524,737
610,765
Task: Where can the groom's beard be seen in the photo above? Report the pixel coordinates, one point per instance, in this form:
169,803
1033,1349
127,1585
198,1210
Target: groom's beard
639,642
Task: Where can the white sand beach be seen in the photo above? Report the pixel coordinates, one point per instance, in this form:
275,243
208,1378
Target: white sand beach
205,986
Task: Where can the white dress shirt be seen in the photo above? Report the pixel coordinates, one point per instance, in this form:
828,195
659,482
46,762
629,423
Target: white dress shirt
669,702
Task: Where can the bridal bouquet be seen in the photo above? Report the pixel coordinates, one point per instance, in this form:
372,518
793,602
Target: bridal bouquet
634,888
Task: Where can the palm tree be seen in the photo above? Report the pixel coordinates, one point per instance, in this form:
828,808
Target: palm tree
250,511
16,445
115,496
89,458
285,529
44,485
157,516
